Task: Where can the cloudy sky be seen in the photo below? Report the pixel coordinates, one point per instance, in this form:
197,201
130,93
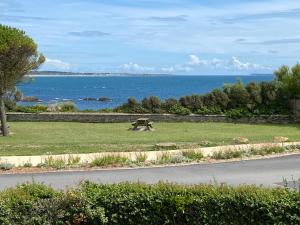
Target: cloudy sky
160,36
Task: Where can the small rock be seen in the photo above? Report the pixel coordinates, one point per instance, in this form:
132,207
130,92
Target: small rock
30,99
281,139
241,140
166,146
104,99
89,99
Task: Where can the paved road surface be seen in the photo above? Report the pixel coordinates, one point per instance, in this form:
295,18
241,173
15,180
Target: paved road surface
267,172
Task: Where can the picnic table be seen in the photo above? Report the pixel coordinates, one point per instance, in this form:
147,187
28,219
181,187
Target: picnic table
142,124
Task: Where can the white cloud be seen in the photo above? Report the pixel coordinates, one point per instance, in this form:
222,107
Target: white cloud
177,68
196,61
57,64
235,63
134,67
231,65
170,69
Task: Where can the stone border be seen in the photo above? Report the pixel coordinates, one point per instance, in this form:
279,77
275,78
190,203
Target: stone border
123,117
151,155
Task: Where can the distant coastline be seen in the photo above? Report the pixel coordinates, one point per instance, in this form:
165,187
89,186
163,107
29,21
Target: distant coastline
86,74
108,74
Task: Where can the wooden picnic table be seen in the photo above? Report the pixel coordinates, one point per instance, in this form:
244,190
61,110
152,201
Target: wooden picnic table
142,123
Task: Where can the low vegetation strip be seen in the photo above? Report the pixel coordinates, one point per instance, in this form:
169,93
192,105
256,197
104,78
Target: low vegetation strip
17,164
160,204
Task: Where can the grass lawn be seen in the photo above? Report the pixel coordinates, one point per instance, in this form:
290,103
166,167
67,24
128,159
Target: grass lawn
34,138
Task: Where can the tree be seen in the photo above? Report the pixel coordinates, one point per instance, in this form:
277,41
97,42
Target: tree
290,79
238,95
18,56
254,90
152,104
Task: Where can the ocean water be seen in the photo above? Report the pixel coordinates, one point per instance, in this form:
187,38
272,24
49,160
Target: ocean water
118,89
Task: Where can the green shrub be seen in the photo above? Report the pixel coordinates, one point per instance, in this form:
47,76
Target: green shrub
152,104
179,110
209,111
141,157
109,160
237,94
192,102
267,150
6,166
73,160
40,205
255,98
193,155
163,158
237,113
31,109
227,154
220,98
168,104
52,162
160,204
27,165
67,107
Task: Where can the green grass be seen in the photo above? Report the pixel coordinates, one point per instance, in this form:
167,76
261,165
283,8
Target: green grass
34,138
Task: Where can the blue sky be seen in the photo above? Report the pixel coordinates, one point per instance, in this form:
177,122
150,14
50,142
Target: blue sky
160,36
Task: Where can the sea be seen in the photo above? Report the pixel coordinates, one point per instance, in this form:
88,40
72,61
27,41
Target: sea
52,89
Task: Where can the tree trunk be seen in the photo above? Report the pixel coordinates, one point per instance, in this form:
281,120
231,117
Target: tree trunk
4,127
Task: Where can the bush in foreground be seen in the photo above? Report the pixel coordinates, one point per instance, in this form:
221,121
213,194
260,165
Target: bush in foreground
135,204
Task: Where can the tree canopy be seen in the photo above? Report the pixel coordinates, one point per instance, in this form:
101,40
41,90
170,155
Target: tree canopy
290,79
18,56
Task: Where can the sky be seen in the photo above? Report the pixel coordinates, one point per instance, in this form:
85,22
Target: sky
196,37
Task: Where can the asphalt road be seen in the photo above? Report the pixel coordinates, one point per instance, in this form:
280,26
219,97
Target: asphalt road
266,172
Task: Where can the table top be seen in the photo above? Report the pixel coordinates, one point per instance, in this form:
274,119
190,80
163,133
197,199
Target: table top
142,119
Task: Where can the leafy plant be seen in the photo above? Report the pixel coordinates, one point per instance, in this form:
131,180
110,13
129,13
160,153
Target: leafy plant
227,154
109,160
193,155
52,162
141,157
6,166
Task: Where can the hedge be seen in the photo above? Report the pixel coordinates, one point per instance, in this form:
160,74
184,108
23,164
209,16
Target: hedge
160,204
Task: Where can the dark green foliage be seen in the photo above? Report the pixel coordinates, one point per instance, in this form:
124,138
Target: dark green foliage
238,95
290,80
227,154
152,104
213,110
39,205
168,104
267,151
255,98
237,113
179,110
31,109
18,56
221,99
269,92
193,102
161,204
132,106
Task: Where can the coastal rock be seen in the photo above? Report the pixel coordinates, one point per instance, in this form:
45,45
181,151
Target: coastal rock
101,99
104,99
30,99
89,99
